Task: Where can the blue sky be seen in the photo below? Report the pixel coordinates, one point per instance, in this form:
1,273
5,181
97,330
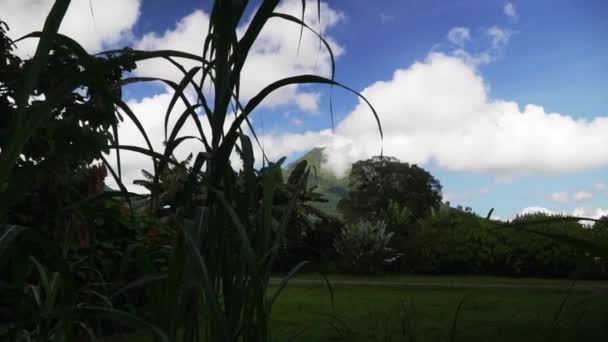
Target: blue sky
451,80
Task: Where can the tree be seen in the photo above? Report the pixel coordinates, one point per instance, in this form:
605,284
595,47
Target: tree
77,94
375,183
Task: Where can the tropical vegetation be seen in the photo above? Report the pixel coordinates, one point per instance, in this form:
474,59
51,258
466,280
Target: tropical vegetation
193,258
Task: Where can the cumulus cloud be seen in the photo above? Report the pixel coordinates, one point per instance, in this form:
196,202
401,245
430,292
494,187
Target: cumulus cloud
272,57
497,39
582,195
594,213
580,212
459,36
439,110
564,197
109,23
510,10
499,36
538,210
559,197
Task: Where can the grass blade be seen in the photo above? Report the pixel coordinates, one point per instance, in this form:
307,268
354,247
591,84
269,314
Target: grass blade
210,296
120,317
284,282
455,319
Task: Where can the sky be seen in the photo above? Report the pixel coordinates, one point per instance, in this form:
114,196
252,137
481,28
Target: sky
505,102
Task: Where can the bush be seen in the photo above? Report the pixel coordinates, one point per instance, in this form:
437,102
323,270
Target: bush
314,244
364,247
460,242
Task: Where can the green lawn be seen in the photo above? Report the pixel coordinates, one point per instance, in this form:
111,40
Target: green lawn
419,312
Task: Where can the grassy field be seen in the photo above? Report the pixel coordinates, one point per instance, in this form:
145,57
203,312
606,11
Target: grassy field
424,309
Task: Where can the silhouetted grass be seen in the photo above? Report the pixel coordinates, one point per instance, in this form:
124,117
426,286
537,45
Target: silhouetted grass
421,313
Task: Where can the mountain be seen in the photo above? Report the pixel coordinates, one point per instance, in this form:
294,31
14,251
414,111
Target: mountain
332,187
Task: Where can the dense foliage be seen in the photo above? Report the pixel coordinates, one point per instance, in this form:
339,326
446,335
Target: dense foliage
74,237
455,241
375,183
459,242
55,170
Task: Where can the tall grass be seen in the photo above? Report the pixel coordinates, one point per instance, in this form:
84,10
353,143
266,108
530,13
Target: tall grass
216,288
217,285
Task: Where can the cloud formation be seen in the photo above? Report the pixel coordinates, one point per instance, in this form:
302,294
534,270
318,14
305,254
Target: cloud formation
582,195
95,24
459,36
439,110
510,10
275,55
499,36
563,197
559,197
496,38
593,213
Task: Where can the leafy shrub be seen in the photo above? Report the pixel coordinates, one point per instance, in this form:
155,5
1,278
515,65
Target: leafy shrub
314,244
365,246
456,241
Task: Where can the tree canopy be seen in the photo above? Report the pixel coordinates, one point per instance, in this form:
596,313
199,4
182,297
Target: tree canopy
376,182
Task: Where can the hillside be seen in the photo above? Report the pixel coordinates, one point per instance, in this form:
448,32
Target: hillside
332,187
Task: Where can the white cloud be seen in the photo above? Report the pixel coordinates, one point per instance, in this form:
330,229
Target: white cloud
474,59
497,218
594,213
296,121
308,102
112,23
278,145
272,57
510,10
498,40
439,110
538,210
600,187
559,197
459,36
499,36
582,196
564,197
